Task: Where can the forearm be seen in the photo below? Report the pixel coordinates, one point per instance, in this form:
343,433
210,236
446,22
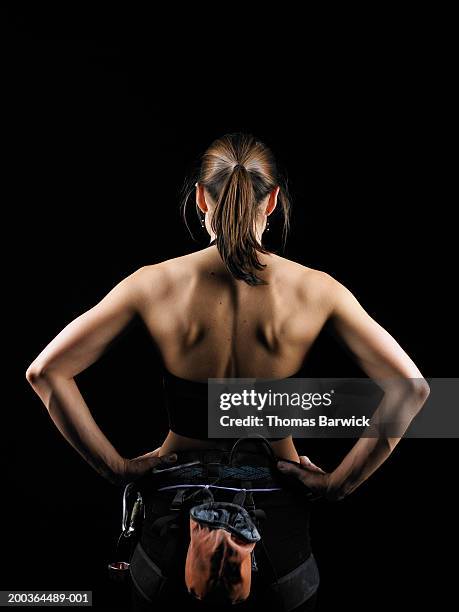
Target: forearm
362,460
70,414
387,426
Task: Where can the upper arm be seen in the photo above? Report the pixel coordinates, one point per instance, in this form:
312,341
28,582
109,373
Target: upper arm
83,340
377,352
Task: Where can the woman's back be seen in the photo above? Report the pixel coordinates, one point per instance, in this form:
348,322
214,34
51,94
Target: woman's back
207,324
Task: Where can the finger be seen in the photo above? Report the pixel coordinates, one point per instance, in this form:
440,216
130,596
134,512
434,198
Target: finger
150,460
306,462
291,469
166,459
154,455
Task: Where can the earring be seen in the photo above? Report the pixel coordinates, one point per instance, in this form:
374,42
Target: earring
203,223
267,226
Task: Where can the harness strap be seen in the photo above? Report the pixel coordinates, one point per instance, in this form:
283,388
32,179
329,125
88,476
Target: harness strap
178,499
250,503
146,575
299,585
245,498
240,497
173,545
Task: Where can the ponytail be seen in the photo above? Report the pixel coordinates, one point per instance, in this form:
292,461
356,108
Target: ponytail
233,223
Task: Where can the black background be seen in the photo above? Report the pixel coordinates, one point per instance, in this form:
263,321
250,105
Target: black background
103,122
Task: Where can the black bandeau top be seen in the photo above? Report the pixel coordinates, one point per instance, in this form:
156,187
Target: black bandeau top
186,405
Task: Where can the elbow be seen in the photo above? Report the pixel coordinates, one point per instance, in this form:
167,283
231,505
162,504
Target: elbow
420,390
412,392
35,375
32,374
38,378
425,389
42,376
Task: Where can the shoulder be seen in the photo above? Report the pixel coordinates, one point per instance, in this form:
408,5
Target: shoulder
321,287
160,279
310,280
334,297
314,286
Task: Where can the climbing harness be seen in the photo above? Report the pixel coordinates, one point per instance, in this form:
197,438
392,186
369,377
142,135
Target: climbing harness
210,520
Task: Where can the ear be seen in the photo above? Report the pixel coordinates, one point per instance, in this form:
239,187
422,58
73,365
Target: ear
272,201
201,198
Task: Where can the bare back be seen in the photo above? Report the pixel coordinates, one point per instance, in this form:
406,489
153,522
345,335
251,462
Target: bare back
208,324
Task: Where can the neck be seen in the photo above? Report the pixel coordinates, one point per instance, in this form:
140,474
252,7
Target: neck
258,234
